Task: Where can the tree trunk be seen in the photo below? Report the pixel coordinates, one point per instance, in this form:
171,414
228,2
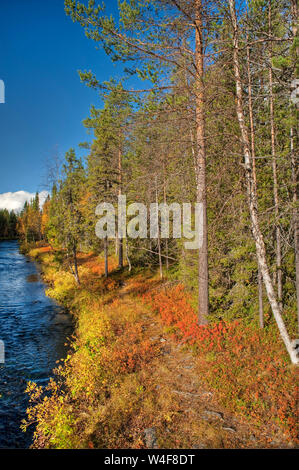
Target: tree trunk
165,201
274,169
261,306
252,196
252,134
120,239
200,170
76,274
294,10
159,239
127,256
106,256
295,166
120,253
295,185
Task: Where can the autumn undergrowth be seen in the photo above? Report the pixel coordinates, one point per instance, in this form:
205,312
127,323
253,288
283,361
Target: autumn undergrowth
99,388
103,394
246,366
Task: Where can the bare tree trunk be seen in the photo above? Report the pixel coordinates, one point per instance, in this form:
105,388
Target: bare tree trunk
294,10
261,305
127,256
76,274
274,169
200,170
165,201
294,163
252,195
106,256
159,240
252,134
295,166
120,239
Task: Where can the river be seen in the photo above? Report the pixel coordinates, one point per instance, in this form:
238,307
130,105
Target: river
34,331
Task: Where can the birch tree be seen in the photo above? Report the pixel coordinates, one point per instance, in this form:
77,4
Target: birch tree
252,193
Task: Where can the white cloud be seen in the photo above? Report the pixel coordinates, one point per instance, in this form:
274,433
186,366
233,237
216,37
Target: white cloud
15,201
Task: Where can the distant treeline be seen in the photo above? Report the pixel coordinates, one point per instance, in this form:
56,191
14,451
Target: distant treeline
30,221
8,224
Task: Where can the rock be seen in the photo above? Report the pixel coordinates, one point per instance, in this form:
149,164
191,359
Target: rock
275,443
32,278
186,394
229,428
62,319
165,352
206,394
162,340
150,438
199,446
189,367
212,414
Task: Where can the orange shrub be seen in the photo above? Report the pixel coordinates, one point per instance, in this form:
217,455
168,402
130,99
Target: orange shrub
131,350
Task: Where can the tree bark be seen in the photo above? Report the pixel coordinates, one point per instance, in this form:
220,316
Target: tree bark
165,201
159,239
127,256
252,134
274,169
200,170
120,239
106,256
294,10
252,195
295,185
261,305
295,166
76,274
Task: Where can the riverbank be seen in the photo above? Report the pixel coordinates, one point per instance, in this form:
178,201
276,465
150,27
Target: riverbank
141,373
34,338
8,239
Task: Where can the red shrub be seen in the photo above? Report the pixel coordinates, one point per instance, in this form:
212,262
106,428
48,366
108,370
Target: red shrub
247,366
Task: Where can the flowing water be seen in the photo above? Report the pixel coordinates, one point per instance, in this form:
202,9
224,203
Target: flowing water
34,331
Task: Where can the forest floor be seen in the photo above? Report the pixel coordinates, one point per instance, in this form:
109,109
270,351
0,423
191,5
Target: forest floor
196,419
131,381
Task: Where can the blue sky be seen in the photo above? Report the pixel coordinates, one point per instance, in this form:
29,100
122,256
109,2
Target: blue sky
45,102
